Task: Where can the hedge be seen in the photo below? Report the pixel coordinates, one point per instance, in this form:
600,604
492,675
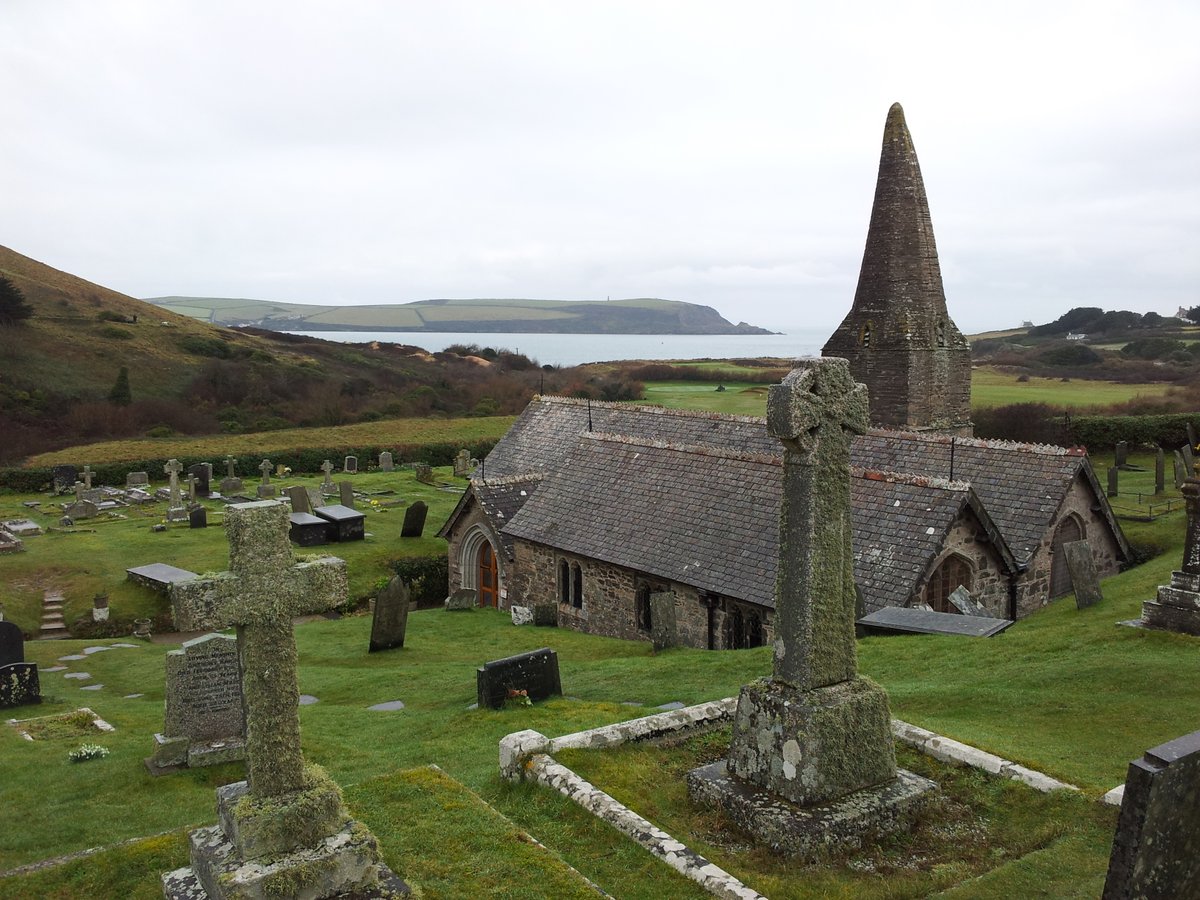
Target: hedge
428,579
300,460
1168,431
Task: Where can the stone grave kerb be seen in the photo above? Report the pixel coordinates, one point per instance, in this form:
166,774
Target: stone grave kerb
264,589
815,412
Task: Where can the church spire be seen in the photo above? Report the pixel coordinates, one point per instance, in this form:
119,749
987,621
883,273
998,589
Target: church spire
898,336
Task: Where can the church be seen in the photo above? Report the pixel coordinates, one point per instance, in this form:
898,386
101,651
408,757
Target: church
595,506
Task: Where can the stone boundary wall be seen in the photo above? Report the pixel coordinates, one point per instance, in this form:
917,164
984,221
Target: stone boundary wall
525,755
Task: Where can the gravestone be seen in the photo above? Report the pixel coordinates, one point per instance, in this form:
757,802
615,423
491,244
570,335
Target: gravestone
1084,578
424,472
391,616
1180,469
18,679
664,631
307,530
521,615
87,477
82,507
204,724
350,465
231,484
266,490
136,480
535,672
1177,605
962,600
1191,434
414,520
811,764
299,498
176,512
198,518
1156,850
386,463
342,523
1121,454
202,473
1113,475
545,615
9,542
1160,470
191,485
463,464
327,486
462,600
287,823
63,478
1189,460
346,494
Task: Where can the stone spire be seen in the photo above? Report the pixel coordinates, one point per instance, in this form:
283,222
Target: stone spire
898,336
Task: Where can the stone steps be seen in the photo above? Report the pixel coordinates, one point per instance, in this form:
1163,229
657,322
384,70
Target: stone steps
53,625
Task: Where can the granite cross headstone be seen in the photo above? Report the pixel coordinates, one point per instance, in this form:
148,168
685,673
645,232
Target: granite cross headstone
1084,578
391,616
231,484
414,520
87,477
327,486
266,490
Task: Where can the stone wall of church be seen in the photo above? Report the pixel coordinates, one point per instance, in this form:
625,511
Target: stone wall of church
458,578
918,389
989,581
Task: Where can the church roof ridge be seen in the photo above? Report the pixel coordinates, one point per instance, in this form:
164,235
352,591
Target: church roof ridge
985,443
677,447
929,481
648,408
505,480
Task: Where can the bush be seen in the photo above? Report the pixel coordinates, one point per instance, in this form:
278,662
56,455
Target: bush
1153,348
1030,423
1168,431
1069,354
202,346
13,308
428,579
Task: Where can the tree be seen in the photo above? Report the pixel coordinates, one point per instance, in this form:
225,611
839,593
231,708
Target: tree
120,393
13,308
1193,314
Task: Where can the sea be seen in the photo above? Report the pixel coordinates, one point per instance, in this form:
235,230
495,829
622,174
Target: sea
576,349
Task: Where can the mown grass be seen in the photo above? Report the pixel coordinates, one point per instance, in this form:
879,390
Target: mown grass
389,432
740,399
92,557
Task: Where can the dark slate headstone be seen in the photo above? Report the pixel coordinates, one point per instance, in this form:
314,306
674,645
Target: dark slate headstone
1121,454
962,600
64,478
18,679
535,672
12,644
545,615
345,524
664,632
1160,471
198,518
299,498
1084,578
414,520
346,494
202,472
1113,475
308,530
1156,850
391,616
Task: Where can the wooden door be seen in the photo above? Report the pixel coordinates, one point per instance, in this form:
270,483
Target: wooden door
488,580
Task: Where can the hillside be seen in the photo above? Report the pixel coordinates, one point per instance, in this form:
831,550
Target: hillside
640,316
58,367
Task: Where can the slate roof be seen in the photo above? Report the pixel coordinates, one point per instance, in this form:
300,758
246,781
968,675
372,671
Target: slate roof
500,499
709,517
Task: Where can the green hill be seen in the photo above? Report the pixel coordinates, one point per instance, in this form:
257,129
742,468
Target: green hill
638,316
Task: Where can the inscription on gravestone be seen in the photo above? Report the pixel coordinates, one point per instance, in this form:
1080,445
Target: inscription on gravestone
414,520
18,679
204,723
1084,578
350,464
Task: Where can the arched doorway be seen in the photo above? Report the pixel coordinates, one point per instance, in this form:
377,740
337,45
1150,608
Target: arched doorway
952,573
1070,529
479,567
488,577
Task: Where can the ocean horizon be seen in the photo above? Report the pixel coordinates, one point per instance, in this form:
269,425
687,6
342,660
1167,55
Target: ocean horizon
576,349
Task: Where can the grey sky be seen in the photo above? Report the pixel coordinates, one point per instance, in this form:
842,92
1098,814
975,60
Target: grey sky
720,153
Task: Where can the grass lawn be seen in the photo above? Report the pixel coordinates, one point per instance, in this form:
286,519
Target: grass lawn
1067,692
737,399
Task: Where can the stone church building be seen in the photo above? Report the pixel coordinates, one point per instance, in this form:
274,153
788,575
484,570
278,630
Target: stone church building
595,506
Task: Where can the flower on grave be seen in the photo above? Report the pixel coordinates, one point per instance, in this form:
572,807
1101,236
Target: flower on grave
518,698
84,752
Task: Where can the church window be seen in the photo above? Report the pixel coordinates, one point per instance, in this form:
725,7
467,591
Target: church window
576,586
564,582
953,573
735,630
864,336
1070,529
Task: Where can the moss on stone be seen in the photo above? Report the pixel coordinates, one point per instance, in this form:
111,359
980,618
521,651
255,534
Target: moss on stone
267,825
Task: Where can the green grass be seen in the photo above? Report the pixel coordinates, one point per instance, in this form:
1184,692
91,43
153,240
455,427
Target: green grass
736,399
990,387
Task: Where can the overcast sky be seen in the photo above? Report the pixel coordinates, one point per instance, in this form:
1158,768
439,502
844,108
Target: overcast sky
719,153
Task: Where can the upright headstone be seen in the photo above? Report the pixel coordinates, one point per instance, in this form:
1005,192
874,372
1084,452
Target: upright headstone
287,823
386,463
350,464
18,679
463,464
462,600
87,477
299,498
82,507
176,512
1160,471
535,673
204,724
1180,469
1156,850
1189,460
1177,606
202,473
346,494
1113,475
664,629
136,480
811,763
1121,454
327,486
960,598
191,487
414,520
424,472
64,478
266,490
1084,578
391,616
198,517
231,484
1191,435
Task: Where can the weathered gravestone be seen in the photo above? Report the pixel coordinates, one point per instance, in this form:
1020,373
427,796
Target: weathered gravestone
18,679
1156,850
414,520
191,486
462,600
136,480
1121,454
198,518
1189,460
1113,474
346,494
1180,469
63,478
811,764
1191,434
463,464
287,823
9,542
1084,578
391,616
960,598
350,464
265,490
299,498
202,485
1160,470
204,724
386,463
535,673
664,630
82,507
327,485
521,615
545,615
176,511
231,484
424,472
1177,606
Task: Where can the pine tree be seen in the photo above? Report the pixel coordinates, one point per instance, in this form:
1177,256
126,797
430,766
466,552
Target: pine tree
120,393
13,308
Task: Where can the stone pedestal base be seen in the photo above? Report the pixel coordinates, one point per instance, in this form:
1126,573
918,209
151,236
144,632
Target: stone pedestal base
809,831
174,753
1177,607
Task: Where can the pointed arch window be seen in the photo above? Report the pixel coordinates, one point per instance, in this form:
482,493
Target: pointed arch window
564,582
576,586
953,572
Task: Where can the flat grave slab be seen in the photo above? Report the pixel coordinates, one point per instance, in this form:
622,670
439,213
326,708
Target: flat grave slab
159,576
388,706
901,620
307,530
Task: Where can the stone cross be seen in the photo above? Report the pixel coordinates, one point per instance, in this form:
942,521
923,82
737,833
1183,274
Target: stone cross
79,492
87,477
230,464
265,468
815,412
327,468
264,589
173,468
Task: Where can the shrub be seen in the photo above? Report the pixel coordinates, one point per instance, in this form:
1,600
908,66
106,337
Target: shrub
13,308
1070,354
1105,431
428,579
1153,348
202,346
1030,423
120,393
